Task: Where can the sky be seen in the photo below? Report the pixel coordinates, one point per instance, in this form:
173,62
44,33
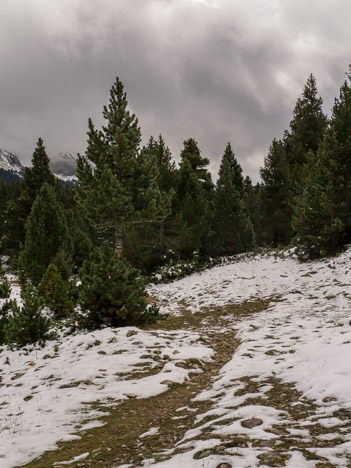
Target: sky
215,70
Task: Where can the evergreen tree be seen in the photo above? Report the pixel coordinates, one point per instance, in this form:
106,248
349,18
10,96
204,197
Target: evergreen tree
3,208
166,165
37,175
110,293
46,235
235,169
231,222
276,189
112,187
34,178
26,324
318,216
306,130
254,205
55,292
341,124
192,154
191,225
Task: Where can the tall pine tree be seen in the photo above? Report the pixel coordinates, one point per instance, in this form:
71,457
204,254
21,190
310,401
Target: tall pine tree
116,184
306,130
275,196
318,214
341,124
233,230
34,178
46,235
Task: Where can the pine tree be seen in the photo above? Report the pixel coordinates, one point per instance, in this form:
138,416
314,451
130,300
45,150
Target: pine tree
166,165
110,293
232,225
26,324
277,212
306,130
341,124
254,205
3,208
235,169
34,178
112,187
192,154
55,292
46,235
145,243
318,215
191,225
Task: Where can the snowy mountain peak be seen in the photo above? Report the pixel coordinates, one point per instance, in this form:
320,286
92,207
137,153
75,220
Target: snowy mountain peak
64,165
10,162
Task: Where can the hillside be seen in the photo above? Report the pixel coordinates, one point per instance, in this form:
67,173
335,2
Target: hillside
252,368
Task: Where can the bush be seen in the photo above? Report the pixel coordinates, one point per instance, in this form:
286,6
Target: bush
55,292
110,293
27,325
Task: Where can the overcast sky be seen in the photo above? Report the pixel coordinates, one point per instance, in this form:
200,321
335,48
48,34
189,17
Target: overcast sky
214,70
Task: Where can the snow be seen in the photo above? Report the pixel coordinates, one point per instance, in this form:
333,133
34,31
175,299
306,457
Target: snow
10,162
44,391
303,339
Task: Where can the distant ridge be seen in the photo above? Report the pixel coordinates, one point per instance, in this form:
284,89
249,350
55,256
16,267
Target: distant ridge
63,166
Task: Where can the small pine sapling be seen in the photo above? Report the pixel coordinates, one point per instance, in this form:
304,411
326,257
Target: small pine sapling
110,293
27,325
55,292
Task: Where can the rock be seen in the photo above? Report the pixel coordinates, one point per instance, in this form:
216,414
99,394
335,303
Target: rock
131,333
274,458
130,395
203,454
250,423
224,465
167,382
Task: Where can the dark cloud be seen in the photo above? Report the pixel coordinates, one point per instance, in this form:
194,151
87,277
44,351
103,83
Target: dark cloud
218,71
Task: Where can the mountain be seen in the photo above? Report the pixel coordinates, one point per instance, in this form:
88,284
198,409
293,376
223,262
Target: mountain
63,166
10,166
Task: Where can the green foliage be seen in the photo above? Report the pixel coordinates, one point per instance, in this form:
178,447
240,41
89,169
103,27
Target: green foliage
46,235
191,223
34,178
165,164
276,211
233,230
5,288
341,124
192,154
319,210
26,324
122,188
55,292
110,292
306,130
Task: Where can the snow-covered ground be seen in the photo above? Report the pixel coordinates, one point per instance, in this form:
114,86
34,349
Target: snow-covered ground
303,340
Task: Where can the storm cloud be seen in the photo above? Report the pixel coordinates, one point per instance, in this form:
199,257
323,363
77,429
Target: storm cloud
214,70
